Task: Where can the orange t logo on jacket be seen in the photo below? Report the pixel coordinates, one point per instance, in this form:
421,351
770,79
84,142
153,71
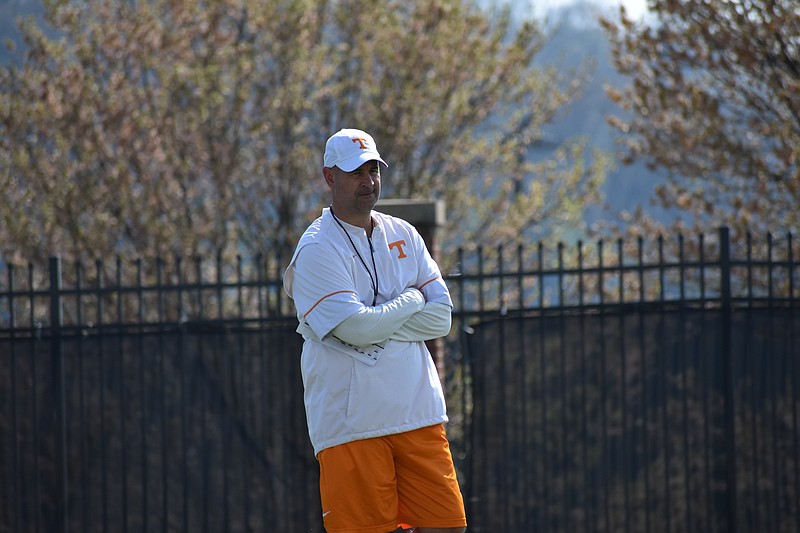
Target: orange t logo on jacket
399,245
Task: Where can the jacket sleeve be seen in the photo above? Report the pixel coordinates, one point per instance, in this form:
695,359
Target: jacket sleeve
432,322
371,325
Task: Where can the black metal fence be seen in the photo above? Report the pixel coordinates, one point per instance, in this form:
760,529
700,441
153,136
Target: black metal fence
641,386
160,400
650,387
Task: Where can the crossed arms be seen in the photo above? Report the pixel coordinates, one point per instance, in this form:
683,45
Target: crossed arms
406,318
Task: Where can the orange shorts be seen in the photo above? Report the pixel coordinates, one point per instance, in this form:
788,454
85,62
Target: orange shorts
375,485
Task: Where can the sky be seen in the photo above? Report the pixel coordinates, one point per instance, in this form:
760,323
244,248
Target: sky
635,8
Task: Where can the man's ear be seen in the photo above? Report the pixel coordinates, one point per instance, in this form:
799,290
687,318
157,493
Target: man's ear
327,173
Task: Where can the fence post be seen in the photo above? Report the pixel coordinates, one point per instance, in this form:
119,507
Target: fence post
729,387
59,394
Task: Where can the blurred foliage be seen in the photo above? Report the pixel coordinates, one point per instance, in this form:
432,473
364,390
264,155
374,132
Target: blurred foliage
714,100
170,127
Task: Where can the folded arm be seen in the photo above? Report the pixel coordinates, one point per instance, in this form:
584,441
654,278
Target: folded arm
371,325
432,322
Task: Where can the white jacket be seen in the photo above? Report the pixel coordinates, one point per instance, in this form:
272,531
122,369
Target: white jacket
366,370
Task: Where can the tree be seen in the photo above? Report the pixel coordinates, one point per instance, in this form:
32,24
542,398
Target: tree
167,127
715,101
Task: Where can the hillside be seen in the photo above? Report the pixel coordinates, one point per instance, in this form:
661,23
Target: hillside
577,37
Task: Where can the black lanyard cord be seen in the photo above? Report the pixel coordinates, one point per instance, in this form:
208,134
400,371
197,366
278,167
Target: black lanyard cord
372,280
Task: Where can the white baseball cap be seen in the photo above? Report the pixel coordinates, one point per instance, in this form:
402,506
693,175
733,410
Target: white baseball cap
349,148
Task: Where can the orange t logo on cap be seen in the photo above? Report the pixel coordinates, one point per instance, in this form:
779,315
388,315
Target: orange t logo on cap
362,143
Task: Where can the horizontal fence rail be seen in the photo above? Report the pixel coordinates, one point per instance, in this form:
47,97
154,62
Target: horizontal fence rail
704,272
142,296
644,385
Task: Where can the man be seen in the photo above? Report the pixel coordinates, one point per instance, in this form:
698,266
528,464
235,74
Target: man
368,294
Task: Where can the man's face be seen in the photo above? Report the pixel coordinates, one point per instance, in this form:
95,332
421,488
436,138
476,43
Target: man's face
356,192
